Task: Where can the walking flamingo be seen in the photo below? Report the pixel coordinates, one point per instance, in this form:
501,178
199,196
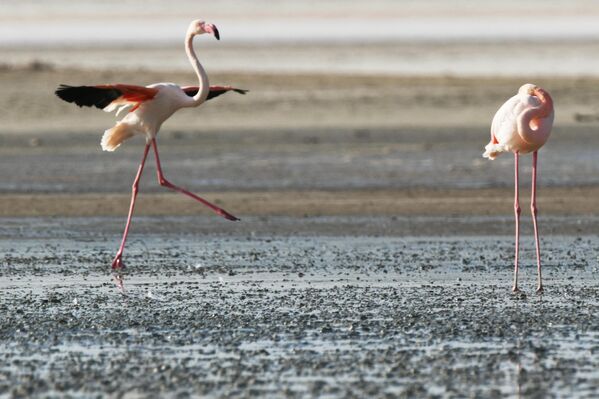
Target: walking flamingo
522,125
151,106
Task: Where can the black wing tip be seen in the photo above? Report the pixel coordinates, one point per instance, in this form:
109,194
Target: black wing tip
62,91
61,87
218,91
87,96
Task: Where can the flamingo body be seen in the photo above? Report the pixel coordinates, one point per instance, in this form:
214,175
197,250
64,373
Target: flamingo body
148,117
150,105
522,124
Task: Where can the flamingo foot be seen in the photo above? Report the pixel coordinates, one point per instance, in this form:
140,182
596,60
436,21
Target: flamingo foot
540,290
515,290
117,263
228,216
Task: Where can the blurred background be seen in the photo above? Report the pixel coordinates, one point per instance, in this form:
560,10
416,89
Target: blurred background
344,95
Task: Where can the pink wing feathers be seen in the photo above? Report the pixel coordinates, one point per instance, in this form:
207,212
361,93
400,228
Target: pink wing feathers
523,123
106,97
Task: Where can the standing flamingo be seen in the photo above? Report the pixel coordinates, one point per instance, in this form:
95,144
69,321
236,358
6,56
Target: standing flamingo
152,105
523,125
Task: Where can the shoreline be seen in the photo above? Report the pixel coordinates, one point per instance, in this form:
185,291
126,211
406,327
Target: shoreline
555,201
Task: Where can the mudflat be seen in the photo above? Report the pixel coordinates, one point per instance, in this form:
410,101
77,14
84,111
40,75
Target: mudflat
298,316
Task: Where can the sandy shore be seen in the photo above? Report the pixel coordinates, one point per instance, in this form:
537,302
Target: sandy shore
577,201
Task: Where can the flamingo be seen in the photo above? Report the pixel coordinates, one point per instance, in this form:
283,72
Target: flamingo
150,107
522,125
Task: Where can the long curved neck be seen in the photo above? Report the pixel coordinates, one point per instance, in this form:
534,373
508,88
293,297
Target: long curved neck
203,84
530,123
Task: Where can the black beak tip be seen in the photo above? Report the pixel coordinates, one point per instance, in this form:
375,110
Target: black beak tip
216,34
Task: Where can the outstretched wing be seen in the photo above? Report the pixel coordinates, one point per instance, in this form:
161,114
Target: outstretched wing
106,97
215,91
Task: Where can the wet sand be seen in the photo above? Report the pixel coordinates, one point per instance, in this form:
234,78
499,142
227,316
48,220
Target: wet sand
554,201
298,317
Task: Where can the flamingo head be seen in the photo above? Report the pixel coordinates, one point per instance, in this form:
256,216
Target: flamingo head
528,89
533,90
541,94
199,27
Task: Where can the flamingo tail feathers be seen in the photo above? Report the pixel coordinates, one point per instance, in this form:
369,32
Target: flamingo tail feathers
493,149
115,136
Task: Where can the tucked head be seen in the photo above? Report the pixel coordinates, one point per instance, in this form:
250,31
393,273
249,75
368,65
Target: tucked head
545,101
533,90
528,89
199,27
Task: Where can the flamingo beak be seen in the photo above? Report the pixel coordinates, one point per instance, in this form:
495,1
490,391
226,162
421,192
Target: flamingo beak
209,28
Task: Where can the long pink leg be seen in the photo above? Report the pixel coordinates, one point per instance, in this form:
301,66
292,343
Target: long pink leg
517,212
117,263
163,182
533,209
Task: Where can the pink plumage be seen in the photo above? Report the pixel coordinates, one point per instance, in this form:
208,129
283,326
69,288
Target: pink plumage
522,125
